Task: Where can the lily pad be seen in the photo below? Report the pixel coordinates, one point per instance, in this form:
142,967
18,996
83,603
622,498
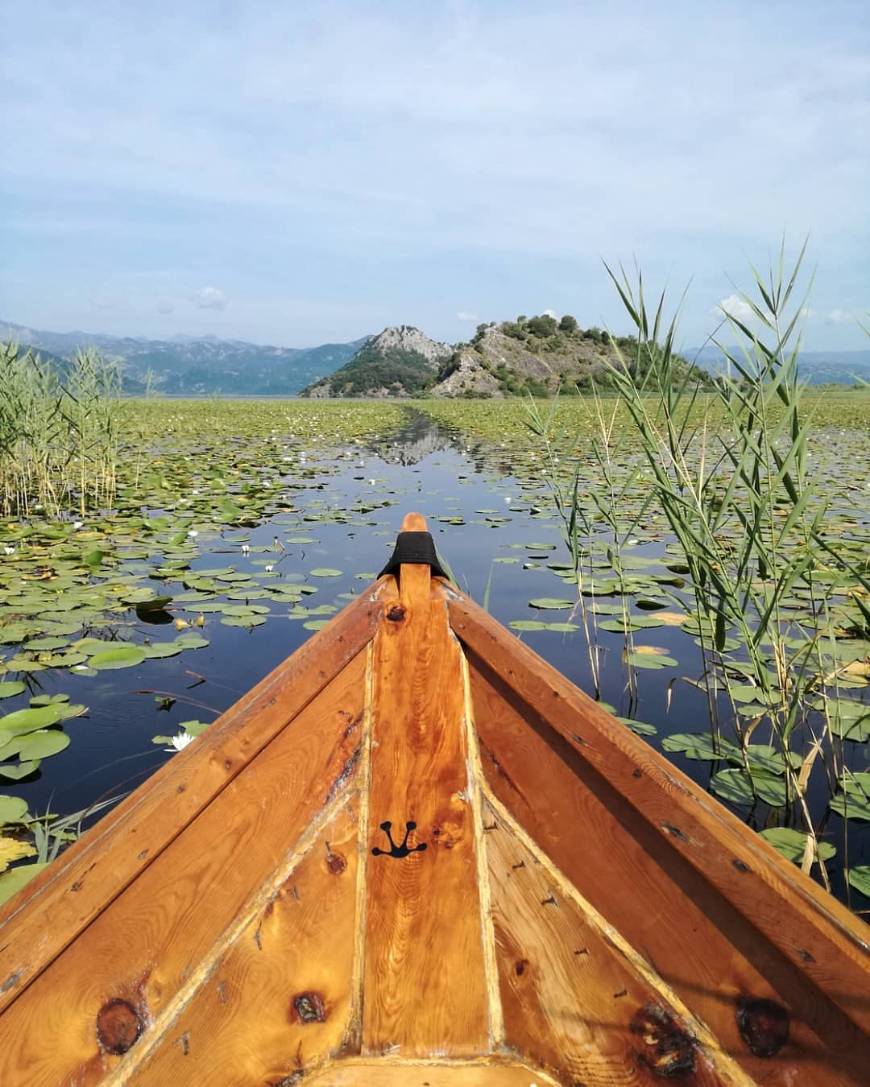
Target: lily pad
29,720
552,603
735,785
859,878
127,656
11,687
792,843
12,809
12,881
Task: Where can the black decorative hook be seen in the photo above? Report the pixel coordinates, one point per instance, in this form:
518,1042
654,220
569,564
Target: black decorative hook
402,850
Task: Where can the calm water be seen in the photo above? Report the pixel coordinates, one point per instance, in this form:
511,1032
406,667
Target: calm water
424,470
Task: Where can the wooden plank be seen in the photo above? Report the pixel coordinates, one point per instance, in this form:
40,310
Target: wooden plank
166,928
814,931
278,1001
391,1073
424,983
73,890
694,939
573,999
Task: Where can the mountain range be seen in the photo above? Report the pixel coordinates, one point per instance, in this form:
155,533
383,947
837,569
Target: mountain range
536,354
195,366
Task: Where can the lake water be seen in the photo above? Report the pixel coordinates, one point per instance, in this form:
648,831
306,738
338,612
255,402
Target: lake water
497,532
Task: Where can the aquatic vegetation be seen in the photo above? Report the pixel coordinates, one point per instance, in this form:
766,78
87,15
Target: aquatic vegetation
240,526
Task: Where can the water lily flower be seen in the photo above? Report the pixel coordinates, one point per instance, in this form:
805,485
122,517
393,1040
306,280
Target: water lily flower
9,550
78,524
372,482
269,568
246,549
179,742
192,533
507,499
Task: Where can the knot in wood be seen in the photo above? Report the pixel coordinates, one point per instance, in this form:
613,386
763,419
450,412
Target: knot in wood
396,613
309,1008
118,1026
668,1049
763,1025
335,862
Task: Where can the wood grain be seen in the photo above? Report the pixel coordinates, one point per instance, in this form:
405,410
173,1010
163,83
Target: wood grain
108,857
424,984
166,927
694,939
389,1073
814,931
571,998
278,1001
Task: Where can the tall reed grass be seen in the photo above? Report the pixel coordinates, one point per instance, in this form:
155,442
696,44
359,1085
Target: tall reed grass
59,436
772,593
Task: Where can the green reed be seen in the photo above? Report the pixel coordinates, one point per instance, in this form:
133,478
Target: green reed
58,433
734,488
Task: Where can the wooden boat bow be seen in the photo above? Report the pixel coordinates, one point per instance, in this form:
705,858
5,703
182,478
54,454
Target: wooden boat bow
415,854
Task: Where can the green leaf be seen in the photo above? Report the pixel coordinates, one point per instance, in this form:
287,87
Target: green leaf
35,745
120,657
12,881
859,878
324,571
527,624
735,785
17,771
10,687
12,809
699,745
29,720
791,843
551,603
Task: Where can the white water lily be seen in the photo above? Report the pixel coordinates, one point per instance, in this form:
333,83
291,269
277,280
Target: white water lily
269,568
78,524
508,499
372,482
179,742
9,550
246,549
192,533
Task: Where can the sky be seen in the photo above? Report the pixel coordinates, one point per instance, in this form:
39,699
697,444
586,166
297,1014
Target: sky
297,173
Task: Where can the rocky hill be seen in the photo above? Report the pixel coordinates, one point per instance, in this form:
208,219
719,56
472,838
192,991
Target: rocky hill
536,355
401,361
195,366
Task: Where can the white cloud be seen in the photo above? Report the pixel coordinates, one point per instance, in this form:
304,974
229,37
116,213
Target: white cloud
210,298
839,317
549,313
734,306
462,315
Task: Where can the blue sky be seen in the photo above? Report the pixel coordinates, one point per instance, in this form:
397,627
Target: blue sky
300,172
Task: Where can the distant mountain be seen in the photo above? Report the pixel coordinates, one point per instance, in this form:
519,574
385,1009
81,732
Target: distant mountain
816,367
401,361
536,355
196,366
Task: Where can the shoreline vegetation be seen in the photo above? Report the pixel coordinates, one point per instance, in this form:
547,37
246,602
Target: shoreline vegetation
765,551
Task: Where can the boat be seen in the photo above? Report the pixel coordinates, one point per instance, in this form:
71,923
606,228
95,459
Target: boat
415,855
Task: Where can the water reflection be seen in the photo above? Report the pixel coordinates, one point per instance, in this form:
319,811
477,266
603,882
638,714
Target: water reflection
421,437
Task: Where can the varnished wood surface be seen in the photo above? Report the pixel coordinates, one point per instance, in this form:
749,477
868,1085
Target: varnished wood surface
424,981
695,941
825,941
158,936
105,860
570,997
580,908
278,1001
389,1073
